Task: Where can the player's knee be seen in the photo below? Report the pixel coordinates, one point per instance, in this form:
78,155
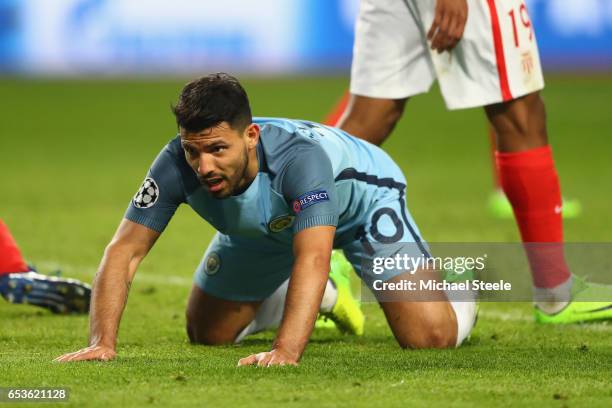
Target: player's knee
199,333
431,335
530,119
208,337
437,338
520,124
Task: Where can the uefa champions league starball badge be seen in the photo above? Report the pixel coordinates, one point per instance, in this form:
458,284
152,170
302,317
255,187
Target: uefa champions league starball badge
147,194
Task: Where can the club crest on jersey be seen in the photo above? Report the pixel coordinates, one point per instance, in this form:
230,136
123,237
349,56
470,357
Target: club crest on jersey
280,223
147,194
212,263
311,198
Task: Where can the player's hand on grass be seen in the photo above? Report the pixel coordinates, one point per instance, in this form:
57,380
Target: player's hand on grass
276,357
99,353
448,24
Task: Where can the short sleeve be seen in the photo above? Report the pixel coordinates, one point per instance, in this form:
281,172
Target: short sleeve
159,195
308,185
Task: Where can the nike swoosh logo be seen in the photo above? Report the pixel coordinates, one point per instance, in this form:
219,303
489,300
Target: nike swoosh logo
601,309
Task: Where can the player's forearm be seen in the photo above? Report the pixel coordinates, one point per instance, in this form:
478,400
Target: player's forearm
304,295
110,292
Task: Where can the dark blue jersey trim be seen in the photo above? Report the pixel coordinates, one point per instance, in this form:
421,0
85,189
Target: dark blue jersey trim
352,174
261,158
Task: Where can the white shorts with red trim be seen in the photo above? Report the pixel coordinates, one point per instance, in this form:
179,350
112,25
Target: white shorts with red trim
496,60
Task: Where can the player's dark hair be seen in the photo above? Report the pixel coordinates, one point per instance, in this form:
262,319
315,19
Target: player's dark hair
210,100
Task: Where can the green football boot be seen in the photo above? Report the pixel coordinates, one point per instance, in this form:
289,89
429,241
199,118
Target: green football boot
325,323
591,302
346,313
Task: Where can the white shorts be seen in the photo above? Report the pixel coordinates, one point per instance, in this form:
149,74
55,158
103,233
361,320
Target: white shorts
496,60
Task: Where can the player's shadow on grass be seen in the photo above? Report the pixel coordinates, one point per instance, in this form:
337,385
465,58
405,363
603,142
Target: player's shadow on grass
268,342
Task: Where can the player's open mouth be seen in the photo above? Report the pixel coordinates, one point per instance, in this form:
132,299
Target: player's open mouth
214,184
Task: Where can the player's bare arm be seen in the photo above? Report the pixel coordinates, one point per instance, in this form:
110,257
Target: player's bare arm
448,24
312,248
111,286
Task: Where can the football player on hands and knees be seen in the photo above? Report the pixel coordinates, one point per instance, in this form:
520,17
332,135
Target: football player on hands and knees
281,194
483,54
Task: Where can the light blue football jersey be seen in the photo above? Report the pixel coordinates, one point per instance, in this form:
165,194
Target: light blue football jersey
309,175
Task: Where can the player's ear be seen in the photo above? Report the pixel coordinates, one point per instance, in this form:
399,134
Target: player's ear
252,135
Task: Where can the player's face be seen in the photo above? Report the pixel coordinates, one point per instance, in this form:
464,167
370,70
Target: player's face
224,159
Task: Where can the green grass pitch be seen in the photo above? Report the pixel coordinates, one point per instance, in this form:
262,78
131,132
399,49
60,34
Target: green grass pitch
72,154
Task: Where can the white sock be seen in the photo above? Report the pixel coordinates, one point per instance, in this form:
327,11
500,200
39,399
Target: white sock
553,300
465,312
270,312
329,297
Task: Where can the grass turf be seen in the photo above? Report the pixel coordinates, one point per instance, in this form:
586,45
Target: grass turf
72,153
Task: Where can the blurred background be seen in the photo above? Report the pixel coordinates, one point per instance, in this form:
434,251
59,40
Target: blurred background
86,85
112,37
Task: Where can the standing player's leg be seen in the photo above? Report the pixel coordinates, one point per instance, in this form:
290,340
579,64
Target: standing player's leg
497,65
19,283
529,179
371,119
390,64
498,202
524,158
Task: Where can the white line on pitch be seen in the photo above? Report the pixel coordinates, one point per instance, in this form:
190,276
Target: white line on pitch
90,271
